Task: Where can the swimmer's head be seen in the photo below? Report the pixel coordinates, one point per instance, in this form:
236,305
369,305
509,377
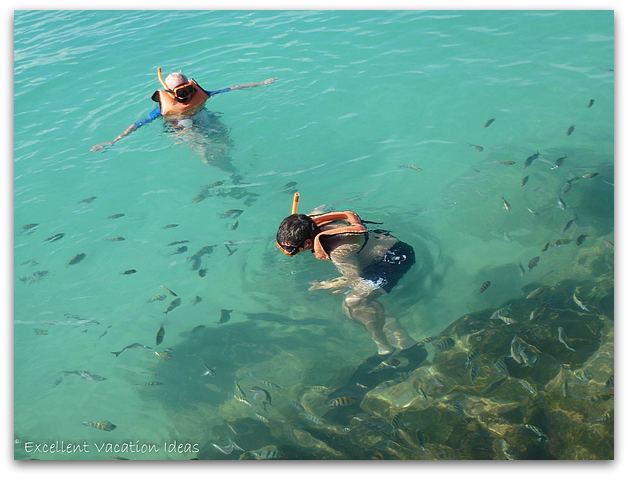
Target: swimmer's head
296,233
175,79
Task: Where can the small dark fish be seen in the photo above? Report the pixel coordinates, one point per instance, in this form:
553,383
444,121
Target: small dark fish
561,204
234,226
420,437
524,180
532,211
128,272
77,258
444,344
87,200
538,311
591,101
471,357
477,147
152,384
569,223
160,335
537,431
170,226
493,386
200,196
411,166
209,371
500,366
566,187
132,346
231,213
485,285
170,291
530,159
173,305
180,250
54,237
558,163
225,316
116,216
580,239
489,122
589,175
507,162
202,272
290,185
104,333
341,401
35,277
196,300
115,239
474,372
30,262
157,298
545,247
533,262
184,241
506,204
229,250
41,332
104,425
561,242
28,228
570,130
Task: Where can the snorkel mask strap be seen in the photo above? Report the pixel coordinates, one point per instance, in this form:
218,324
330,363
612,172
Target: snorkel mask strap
163,83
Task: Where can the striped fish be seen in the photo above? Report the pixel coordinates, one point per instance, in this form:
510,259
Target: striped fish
104,425
341,402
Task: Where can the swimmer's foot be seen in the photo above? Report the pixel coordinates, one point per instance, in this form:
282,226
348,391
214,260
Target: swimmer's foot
415,355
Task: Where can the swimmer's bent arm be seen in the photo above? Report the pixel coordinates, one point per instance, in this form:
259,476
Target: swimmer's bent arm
345,258
151,116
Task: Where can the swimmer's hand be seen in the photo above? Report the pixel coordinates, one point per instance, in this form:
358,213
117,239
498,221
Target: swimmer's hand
334,285
101,146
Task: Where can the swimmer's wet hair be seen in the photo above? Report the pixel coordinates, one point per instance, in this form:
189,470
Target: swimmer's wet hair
295,229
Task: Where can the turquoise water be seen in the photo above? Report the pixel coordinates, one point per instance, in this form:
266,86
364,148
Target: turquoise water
377,112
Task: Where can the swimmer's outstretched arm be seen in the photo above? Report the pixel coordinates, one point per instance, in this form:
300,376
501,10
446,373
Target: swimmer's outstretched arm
345,258
151,116
241,86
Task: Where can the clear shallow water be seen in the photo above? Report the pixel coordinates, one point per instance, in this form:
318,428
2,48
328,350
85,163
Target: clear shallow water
359,95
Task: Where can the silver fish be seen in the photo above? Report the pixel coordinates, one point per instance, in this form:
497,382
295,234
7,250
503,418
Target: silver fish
558,162
209,371
568,225
561,204
537,431
589,175
228,448
562,339
506,204
523,353
173,305
532,211
536,293
579,302
85,375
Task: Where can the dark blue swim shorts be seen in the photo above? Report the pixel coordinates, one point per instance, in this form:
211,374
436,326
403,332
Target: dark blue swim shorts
396,262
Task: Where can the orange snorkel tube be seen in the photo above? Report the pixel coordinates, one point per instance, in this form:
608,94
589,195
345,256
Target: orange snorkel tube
295,207
295,203
163,83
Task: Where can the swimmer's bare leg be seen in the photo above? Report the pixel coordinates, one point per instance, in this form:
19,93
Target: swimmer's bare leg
370,313
397,334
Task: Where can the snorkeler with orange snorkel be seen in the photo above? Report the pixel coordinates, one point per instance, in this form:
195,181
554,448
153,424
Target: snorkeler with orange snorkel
180,100
370,263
